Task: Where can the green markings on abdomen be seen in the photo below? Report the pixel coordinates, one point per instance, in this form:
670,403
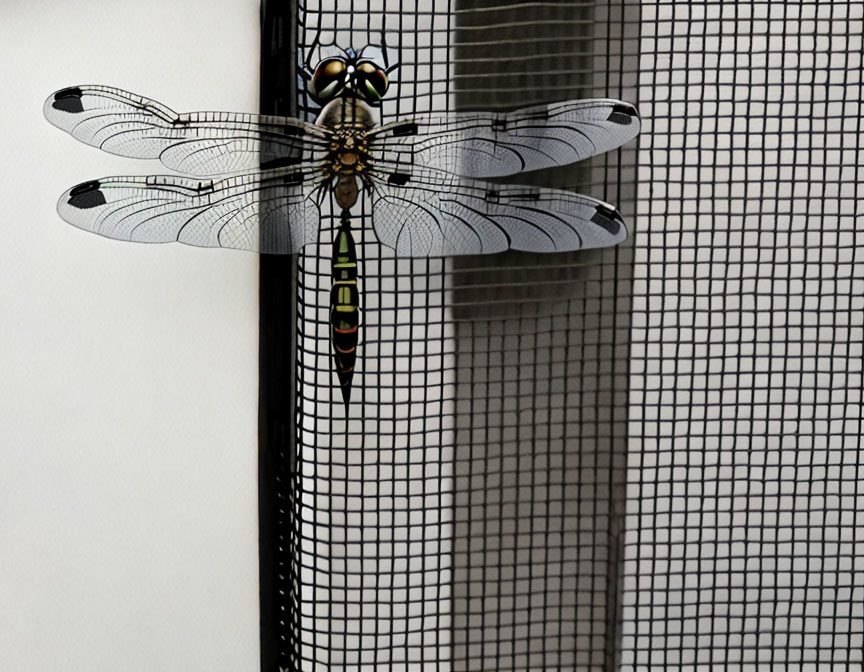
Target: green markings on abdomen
344,307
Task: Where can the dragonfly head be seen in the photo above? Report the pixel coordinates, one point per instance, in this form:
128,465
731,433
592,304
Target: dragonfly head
353,74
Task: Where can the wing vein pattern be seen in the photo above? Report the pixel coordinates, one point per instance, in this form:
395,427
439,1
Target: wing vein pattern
496,144
198,143
273,212
422,176
433,213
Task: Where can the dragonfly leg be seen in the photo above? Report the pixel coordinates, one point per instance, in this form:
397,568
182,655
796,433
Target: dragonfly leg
344,306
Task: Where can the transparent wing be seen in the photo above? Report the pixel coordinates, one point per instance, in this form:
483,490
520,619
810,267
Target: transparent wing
197,143
430,213
272,212
495,144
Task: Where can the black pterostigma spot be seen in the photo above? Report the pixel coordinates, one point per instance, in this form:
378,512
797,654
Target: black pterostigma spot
86,195
608,218
293,178
398,178
623,114
409,128
281,162
68,100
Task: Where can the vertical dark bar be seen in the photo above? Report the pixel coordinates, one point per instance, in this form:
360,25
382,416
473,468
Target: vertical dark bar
276,390
616,66
542,352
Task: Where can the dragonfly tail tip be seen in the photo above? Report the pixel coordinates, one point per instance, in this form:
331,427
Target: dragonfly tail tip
346,395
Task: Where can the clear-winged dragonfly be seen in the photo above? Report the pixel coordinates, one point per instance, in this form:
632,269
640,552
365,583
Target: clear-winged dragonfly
420,174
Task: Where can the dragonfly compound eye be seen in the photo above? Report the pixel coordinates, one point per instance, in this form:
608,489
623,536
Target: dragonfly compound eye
329,79
372,81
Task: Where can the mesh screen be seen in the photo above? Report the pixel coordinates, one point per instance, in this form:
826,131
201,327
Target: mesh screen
644,457
744,542
373,517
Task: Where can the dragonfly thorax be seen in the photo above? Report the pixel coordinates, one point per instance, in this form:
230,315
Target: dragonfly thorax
348,160
349,150
350,120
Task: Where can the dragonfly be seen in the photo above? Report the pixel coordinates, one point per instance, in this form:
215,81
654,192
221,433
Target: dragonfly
258,183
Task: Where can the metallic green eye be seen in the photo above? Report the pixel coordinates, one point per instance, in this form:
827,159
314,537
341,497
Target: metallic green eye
372,82
329,79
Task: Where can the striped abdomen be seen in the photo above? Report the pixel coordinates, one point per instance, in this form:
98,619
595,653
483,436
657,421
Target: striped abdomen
344,306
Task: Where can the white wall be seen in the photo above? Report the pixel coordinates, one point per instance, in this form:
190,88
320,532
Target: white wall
128,374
